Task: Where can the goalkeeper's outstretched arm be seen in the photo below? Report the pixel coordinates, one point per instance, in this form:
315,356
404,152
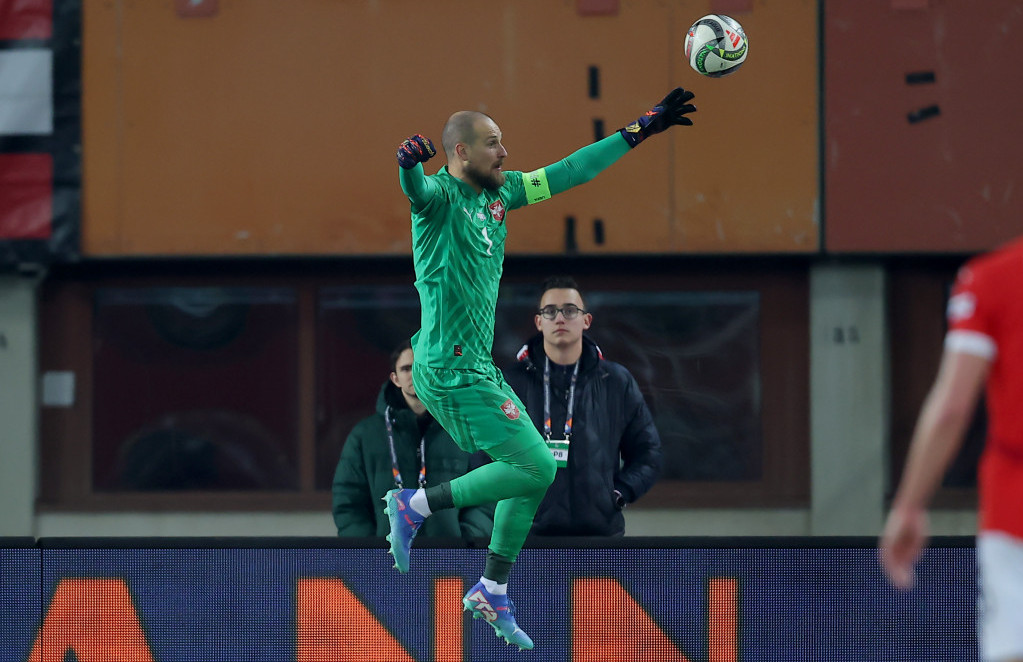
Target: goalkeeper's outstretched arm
586,163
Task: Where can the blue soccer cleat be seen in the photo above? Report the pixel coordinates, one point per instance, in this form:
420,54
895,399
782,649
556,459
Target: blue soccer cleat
405,524
499,612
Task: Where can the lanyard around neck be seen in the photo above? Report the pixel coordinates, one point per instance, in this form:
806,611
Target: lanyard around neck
547,399
394,453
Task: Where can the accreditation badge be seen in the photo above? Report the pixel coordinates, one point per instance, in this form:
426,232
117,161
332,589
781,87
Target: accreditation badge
559,449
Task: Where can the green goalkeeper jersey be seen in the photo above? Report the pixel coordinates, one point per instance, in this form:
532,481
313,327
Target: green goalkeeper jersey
458,249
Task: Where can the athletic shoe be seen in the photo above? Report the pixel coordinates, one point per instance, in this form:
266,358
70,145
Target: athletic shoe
499,612
405,524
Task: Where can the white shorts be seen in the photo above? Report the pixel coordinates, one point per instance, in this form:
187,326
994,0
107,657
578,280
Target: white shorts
1000,602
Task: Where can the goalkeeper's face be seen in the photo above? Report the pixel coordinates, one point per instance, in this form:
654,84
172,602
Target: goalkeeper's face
485,156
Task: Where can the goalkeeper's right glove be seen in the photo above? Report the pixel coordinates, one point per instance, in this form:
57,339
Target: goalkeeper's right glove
417,149
672,110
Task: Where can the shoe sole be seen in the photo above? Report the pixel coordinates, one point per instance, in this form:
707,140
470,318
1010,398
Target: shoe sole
392,517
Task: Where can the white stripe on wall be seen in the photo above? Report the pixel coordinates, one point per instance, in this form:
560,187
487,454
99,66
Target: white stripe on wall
26,92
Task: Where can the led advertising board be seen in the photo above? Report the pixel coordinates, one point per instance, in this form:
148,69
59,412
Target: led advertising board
579,605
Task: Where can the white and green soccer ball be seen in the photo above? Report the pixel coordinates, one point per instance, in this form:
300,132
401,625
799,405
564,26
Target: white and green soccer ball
716,45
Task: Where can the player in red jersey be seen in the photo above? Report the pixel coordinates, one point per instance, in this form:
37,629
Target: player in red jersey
983,348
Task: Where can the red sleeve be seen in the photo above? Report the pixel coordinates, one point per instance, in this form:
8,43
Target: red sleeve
969,314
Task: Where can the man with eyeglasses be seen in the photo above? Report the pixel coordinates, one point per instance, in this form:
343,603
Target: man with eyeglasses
458,237
592,416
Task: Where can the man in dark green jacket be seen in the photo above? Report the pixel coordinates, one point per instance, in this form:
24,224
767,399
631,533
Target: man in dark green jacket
388,449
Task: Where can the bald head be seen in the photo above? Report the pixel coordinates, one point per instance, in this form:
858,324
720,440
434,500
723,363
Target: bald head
461,128
472,142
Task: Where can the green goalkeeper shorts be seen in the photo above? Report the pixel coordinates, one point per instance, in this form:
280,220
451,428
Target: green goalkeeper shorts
476,407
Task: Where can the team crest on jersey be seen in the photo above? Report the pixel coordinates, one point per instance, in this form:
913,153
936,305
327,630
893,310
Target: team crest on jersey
961,306
497,210
510,410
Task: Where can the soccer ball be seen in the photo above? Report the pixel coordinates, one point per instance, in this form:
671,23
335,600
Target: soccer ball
716,45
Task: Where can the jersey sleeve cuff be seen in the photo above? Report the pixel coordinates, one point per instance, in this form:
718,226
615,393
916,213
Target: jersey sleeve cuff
971,342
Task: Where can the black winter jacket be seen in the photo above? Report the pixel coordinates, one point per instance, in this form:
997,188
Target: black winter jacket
614,443
364,473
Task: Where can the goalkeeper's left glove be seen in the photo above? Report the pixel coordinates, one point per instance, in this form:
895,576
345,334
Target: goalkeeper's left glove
672,110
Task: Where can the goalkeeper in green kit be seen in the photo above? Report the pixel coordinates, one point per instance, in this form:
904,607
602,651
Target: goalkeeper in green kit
458,234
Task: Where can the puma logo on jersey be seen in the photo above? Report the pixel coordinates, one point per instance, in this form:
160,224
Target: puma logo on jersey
475,219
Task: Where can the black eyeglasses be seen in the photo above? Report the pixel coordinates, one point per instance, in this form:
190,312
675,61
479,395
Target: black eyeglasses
570,311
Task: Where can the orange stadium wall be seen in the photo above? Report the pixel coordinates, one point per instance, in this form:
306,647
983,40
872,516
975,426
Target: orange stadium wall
922,133
261,127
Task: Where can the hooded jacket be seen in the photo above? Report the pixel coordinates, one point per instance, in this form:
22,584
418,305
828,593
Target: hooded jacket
364,473
614,443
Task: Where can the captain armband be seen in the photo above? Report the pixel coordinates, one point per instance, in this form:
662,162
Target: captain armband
536,186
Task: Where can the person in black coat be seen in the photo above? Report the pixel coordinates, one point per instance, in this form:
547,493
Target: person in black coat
593,416
399,445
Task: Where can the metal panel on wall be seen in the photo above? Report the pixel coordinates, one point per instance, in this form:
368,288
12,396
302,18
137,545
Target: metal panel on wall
922,105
